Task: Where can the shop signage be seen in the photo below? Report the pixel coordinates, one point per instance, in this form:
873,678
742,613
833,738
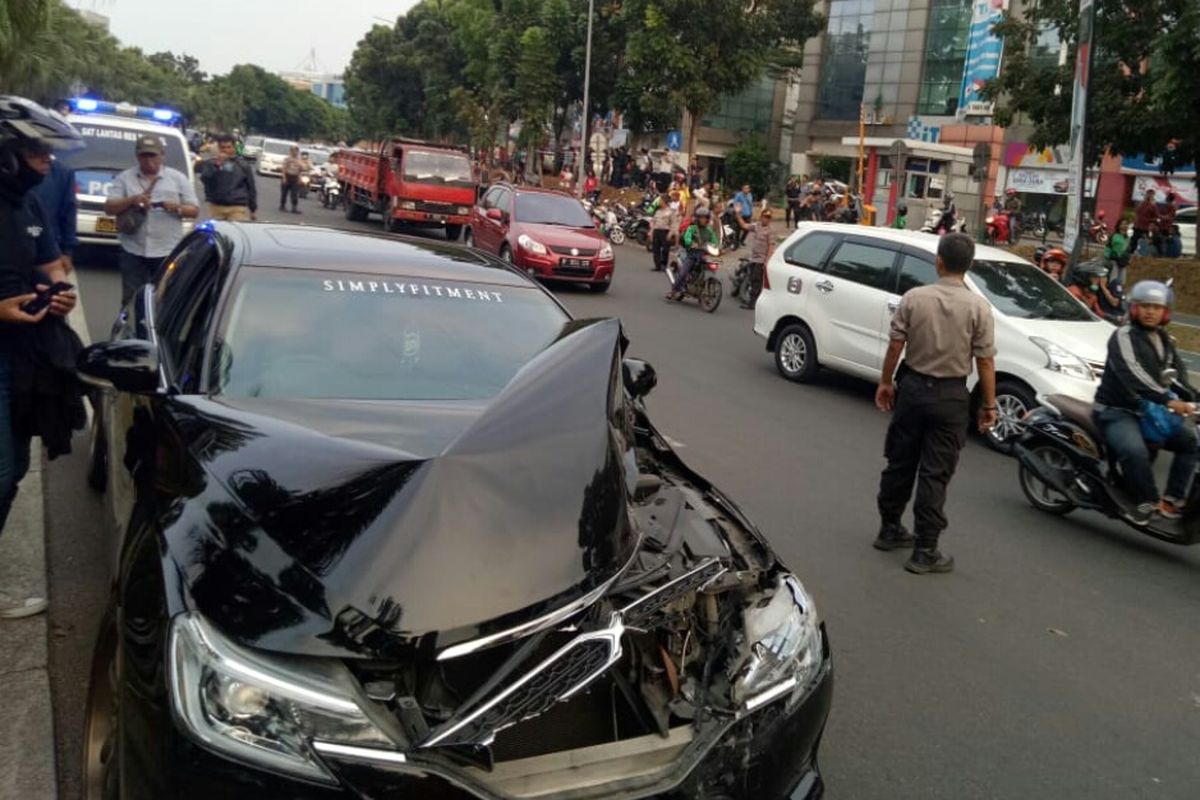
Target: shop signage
1043,181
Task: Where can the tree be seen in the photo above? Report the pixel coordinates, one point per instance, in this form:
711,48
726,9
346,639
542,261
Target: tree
750,162
1142,89
690,53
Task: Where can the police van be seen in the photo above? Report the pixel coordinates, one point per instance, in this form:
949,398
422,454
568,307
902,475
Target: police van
110,130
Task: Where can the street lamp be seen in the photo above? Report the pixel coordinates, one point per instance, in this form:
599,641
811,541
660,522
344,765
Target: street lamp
581,167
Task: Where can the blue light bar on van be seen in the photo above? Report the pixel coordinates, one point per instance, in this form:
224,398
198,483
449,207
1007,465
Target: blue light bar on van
87,105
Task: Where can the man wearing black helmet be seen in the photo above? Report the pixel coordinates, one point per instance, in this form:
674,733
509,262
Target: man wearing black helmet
30,264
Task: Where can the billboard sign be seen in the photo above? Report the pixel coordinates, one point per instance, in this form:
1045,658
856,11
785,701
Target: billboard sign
984,50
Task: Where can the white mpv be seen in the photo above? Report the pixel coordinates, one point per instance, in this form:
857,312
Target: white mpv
830,291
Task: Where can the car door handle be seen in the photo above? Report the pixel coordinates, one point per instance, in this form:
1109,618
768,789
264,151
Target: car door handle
824,286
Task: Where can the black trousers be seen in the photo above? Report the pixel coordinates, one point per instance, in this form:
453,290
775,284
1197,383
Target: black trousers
929,428
756,283
660,245
291,188
791,214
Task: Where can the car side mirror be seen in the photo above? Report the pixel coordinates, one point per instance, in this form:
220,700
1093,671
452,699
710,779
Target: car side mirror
127,365
640,378
496,214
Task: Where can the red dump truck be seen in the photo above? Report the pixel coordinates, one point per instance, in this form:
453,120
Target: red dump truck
411,182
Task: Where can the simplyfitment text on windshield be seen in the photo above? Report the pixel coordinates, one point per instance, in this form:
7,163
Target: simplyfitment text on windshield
412,289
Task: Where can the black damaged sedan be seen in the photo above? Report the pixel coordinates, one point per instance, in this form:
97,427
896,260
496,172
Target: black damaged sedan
391,524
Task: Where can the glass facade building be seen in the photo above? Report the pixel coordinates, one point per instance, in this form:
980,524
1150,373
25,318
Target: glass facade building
844,66
750,110
945,56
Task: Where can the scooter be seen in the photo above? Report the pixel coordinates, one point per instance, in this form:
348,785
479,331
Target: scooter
1096,228
730,230
331,192
1064,465
703,282
933,221
996,228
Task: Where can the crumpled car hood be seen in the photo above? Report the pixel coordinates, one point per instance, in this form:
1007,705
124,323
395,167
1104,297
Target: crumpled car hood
313,531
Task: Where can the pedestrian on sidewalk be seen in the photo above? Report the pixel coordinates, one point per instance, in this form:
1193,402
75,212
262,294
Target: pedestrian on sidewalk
743,203
229,187
939,329
30,262
56,193
155,199
289,180
791,214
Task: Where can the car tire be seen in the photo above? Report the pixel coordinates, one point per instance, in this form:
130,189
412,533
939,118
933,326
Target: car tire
453,232
710,294
1013,400
600,288
796,353
468,238
617,236
354,212
506,253
97,473
101,738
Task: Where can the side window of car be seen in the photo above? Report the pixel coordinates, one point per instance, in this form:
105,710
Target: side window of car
916,272
185,295
489,199
810,251
863,263
504,201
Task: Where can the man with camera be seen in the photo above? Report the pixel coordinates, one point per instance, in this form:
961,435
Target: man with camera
150,202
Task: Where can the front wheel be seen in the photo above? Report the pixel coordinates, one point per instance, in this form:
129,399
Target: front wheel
617,236
1039,494
101,736
710,294
1013,402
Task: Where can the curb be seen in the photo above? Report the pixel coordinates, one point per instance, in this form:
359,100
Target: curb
28,770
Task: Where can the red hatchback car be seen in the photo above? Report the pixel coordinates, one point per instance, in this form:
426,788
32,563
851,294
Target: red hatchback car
546,233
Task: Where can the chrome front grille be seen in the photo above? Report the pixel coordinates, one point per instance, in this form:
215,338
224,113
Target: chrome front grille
555,679
569,669
574,252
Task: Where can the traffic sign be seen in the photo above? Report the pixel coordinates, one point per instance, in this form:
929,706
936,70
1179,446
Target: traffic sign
674,140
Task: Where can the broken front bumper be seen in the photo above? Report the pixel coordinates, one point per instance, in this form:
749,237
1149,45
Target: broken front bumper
769,753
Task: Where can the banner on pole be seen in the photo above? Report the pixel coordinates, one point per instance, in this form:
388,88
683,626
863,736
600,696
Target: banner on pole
984,50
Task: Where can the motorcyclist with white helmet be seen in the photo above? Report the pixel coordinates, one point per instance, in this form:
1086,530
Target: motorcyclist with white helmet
949,215
1133,401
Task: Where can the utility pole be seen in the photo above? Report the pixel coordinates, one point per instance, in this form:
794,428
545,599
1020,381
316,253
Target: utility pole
1076,168
581,167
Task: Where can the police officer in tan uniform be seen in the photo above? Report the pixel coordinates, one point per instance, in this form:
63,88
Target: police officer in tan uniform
939,329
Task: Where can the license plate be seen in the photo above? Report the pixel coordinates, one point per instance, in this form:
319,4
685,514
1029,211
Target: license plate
106,225
574,262
438,217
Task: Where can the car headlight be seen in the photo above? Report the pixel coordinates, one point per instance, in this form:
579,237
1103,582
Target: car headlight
263,709
463,211
532,245
407,205
606,252
1061,360
783,635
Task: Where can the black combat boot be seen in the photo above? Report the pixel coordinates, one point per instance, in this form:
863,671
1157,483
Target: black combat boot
926,559
892,536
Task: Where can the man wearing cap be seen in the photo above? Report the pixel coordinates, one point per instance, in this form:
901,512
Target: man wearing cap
163,197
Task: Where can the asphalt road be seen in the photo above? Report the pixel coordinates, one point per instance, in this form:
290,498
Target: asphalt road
1060,660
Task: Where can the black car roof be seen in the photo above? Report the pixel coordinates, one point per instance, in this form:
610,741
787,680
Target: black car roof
330,249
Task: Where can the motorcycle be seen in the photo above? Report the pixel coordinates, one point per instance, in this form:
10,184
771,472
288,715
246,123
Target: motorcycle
996,227
1064,465
739,284
331,192
730,230
1095,228
933,221
704,282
